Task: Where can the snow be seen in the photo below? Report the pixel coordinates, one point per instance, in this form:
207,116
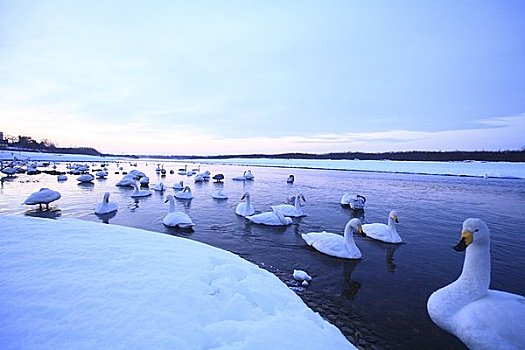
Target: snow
75,284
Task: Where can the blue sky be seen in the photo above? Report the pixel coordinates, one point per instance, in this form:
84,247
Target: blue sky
212,77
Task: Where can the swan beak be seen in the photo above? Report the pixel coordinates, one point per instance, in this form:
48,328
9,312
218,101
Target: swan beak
466,238
360,231
166,201
395,219
304,199
243,196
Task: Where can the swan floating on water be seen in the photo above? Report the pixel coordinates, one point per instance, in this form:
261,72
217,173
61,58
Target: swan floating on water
43,196
106,206
218,177
144,181
101,174
290,179
245,208
355,202
184,194
159,187
247,175
86,178
61,178
272,218
382,232
138,192
482,318
176,218
219,194
334,244
199,178
178,185
292,210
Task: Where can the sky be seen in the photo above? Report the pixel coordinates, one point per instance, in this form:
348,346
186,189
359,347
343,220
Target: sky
235,77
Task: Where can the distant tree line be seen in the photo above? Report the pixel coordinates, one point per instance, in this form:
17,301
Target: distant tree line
27,143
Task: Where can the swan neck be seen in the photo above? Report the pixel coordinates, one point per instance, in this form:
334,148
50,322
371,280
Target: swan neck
172,205
476,269
349,236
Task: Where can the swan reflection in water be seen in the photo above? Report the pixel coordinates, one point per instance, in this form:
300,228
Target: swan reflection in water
106,217
52,213
350,287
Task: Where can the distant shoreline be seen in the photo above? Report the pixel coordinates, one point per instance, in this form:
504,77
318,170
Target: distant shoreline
432,156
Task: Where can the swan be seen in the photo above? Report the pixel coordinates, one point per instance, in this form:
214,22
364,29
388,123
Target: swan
219,194
218,177
334,244
273,218
101,174
245,208
176,218
127,180
159,187
61,178
290,179
480,317
248,175
382,232
138,192
178,185
43,196
106,206
356,202
292,210
86,178
144,181
184,194
183,171
199,178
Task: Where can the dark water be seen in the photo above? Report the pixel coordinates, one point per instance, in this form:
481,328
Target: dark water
386,291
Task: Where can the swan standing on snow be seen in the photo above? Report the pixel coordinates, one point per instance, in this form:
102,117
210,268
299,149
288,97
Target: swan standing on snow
292,210
482,318
106,206
356,202
334,244
184,194
43,196
382,232
273,218
176,218
138,192
245,208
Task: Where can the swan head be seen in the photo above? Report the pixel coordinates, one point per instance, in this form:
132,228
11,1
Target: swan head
245,195
169,197
393,216
357,226
187,189
473,231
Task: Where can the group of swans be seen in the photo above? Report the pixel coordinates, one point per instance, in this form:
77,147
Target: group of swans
278,216
344,246
247,175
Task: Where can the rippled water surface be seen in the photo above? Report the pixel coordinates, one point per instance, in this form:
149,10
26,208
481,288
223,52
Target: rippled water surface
387,289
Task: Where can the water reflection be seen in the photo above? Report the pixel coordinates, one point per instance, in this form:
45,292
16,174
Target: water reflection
52,213
106,217
350,287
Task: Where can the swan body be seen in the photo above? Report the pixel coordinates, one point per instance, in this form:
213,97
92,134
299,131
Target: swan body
159,187
106,206
219,194
334,244
480,317
101,174
247,175
86,178
178,185
382,232
245,208
272,218
356,202
127,180
292,210
199,178
301,275
61,177
144,181
43,196
184,194
176,218
138,192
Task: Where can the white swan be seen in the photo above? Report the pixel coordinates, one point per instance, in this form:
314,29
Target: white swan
248,175
43,196
127,180
106,206
219,194
61,178
245,208
184,194
159,187
356,202
144,181
176,218
199,178
86,178
292,210
138,192
101,174
482,318
273,218
334,244
382,232
178,185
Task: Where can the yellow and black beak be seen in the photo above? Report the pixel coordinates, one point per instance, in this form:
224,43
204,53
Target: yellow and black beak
395,219
466,238
360,231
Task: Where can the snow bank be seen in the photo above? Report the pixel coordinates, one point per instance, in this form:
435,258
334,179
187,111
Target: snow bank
52,157
70,284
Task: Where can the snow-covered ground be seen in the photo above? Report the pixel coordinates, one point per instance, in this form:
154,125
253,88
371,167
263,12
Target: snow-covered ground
468,168
71,284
